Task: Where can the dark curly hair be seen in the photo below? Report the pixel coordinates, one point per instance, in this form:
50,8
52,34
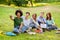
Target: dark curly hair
19,11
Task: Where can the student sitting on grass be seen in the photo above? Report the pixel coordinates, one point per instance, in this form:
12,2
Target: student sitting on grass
26,22
50,22
17,21
42,22
34,24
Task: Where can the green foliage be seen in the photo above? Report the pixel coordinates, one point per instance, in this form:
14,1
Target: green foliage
24,2
19,2
9,2
2,1
49,1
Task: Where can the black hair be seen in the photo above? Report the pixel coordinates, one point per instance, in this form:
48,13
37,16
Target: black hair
21,13
28,13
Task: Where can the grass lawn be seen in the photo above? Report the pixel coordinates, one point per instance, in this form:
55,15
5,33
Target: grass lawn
7,25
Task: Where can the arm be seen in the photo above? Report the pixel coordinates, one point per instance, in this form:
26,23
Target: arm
21,25
53,23
44,21
36,22
11,17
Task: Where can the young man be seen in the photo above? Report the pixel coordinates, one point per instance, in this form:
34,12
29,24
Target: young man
26,22
41,20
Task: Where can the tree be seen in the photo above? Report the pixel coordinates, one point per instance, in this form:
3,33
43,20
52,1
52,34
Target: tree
2,1
20,2
9,2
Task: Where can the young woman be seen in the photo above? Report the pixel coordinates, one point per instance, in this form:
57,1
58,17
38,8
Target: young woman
50,22
33,22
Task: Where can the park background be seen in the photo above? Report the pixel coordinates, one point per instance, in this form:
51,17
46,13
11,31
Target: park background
8,7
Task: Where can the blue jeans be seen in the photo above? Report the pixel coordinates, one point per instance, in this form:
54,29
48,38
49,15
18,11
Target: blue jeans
23,29
16,29
51,27
33,25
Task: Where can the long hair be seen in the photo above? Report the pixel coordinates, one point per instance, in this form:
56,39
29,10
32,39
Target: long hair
48,18
35,16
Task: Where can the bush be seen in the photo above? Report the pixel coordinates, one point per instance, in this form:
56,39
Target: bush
20,2
2,1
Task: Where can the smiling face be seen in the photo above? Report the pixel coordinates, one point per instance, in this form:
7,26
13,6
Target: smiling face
48,16
27,14
18,14
34,16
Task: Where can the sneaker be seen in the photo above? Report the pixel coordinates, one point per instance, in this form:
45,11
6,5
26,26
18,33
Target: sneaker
58,31
32,33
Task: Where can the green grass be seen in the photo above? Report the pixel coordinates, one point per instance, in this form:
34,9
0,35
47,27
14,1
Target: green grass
7,25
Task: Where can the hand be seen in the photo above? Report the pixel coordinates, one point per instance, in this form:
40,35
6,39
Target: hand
43,22
11,17
53,24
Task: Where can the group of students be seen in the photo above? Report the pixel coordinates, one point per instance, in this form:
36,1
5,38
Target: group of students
38,24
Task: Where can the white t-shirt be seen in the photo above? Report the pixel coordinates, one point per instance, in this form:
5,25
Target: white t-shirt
26,21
